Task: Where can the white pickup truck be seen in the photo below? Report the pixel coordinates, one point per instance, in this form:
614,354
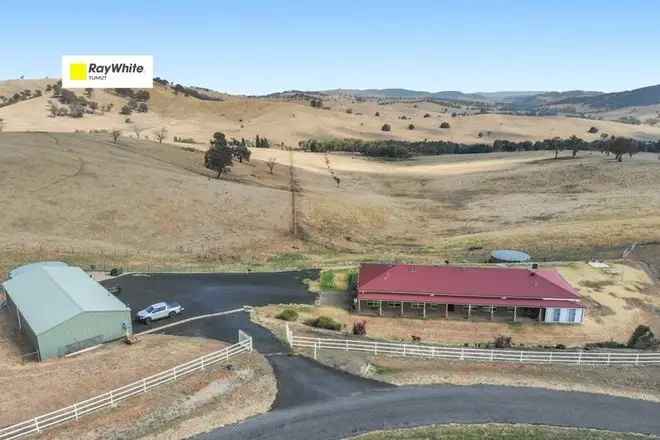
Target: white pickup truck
159,311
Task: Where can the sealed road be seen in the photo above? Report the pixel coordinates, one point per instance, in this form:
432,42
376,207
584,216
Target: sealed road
418,406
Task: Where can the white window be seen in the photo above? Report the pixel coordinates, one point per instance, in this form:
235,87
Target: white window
571,315
393,304
556,313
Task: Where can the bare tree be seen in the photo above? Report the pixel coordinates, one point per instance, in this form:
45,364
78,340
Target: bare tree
137,130
271,164
161,135
115,135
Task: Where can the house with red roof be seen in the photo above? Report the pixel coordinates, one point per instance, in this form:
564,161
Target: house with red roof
493,293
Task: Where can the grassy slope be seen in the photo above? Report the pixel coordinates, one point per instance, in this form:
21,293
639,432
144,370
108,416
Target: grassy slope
150,202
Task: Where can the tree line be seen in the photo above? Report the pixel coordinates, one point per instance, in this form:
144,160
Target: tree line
395,149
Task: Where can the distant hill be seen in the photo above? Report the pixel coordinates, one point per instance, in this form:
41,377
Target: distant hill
407,94
630,98
545,98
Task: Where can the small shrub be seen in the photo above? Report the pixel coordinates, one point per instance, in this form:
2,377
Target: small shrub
287,315
427,115
560,347
503,341
360,328
349,111
604,344
593,130
411,126
327,280
642,338
445,125
386,127
324,322
116,271
377,114
351,281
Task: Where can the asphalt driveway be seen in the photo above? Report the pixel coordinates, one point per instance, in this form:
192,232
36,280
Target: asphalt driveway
318,402
406,407
300,380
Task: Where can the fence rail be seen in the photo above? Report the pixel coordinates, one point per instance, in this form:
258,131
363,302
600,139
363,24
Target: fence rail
112,398
473,354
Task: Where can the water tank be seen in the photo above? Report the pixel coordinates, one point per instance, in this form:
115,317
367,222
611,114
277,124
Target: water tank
509,256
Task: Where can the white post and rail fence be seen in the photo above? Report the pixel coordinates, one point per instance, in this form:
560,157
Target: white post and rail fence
377,348
112,398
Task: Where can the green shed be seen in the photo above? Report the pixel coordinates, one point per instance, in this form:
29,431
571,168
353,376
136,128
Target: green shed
62,310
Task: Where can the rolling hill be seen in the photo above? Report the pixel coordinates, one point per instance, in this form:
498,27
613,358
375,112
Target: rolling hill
644,96
289,119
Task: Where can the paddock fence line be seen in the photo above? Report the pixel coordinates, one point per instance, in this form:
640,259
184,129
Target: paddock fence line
112,398
473,354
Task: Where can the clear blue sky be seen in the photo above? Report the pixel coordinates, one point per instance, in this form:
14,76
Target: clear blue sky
246,46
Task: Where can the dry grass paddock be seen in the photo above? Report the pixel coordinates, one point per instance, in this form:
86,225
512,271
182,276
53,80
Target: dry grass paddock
149,202
34,388
617,302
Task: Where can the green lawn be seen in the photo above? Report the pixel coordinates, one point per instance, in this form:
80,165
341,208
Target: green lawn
497,432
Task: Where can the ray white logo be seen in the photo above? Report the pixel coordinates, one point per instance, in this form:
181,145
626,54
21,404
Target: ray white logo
107,71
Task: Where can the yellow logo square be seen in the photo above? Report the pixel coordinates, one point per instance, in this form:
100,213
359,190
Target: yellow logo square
78,72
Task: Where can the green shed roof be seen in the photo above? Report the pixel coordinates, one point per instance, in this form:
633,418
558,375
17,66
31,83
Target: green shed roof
50,295
28,267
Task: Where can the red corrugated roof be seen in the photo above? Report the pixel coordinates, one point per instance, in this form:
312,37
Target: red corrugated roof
469,285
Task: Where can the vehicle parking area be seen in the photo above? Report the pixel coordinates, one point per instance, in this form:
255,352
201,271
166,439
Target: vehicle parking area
202,294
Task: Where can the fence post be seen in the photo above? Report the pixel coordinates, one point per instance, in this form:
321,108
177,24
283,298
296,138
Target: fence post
174,370
75,410
288,338
36,424
346,344
250,348
316,349
462,353
202,362
112,400
492,354
404,349
144,385
609,358
375,348
579,359
522,353
550,360
637,359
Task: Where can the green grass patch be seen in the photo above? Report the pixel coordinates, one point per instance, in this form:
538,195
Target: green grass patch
498,432
328,280
288,259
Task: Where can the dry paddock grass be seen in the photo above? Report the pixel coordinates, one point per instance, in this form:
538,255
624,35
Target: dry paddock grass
618,300
196,404
84,199
36,388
